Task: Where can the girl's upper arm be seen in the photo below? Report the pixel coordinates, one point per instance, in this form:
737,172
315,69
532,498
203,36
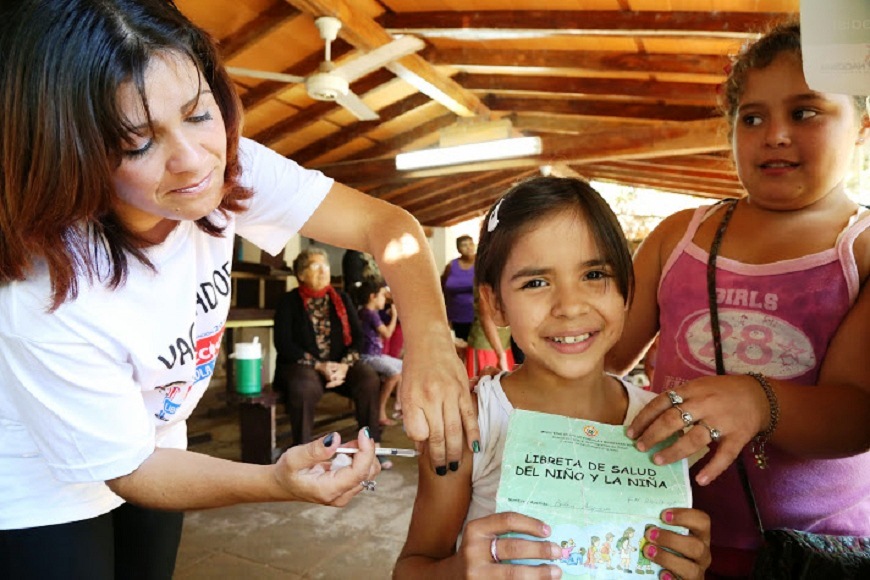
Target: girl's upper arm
439,510
846,361
642,319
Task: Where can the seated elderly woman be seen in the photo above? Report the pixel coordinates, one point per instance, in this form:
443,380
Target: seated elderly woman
317,341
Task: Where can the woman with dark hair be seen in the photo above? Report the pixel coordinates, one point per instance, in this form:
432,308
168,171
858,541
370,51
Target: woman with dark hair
123,181
457,280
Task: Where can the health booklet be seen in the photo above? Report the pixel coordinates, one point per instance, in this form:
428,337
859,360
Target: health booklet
596,491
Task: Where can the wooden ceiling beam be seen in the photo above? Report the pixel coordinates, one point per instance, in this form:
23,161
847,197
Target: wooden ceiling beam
360,128
655,140
600,108
539,122
674,188
703,94
628,168
710,163
266,22
561,21
699,64
366,34
319,109
471,205
399,142
699,187
676,168
450,191
471,200
390,191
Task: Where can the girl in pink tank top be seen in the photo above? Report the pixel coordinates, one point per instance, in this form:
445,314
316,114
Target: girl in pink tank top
793,306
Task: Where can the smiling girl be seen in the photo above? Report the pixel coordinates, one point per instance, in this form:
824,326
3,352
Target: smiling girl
565,303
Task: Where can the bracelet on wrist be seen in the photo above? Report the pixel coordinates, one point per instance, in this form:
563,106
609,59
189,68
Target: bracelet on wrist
757,446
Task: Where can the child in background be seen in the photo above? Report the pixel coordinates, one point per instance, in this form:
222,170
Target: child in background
372,294
793,302
565,303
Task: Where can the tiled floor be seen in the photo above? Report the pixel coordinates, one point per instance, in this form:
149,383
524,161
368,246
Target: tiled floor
295,540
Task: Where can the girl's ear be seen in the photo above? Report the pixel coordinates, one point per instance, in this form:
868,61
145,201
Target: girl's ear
491,302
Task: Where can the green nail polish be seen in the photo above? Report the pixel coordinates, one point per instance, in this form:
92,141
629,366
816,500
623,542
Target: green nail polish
366,431
475,446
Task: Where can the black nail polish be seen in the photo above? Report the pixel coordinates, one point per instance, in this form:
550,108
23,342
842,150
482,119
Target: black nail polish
327,441
441,470
454,466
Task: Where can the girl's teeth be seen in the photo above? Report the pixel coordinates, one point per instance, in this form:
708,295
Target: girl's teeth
570,339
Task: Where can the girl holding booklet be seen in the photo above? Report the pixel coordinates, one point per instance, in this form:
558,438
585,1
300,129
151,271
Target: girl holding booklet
566,305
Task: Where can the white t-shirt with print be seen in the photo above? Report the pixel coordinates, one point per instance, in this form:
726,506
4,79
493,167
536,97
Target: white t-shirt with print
88,391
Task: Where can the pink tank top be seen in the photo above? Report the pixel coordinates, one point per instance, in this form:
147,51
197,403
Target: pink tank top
776,319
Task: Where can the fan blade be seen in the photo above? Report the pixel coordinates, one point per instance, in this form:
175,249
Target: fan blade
375,59
266,75
355,105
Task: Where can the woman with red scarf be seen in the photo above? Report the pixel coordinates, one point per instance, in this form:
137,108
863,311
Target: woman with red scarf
317,340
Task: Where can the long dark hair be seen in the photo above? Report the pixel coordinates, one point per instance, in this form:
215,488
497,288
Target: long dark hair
530,201
63,131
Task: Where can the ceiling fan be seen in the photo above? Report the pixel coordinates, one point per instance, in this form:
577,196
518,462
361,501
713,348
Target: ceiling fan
332,83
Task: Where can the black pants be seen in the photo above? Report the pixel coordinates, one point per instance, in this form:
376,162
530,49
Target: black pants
128,543
303,387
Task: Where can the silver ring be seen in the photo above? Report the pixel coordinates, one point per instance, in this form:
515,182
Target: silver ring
685,416
715,434
493,551
369,484
675,398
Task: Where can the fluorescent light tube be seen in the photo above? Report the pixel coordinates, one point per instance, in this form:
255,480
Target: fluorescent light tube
485,151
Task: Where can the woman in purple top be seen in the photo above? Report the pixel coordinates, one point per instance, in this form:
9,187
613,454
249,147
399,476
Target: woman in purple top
458,284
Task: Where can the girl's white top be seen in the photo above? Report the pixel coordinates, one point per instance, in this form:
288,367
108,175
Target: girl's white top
494,410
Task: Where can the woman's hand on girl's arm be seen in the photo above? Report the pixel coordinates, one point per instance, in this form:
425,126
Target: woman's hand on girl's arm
826,420
734,405
692,555
435,400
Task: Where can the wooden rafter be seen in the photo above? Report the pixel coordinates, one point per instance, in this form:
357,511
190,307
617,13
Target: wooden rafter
598,108
698,64
360,129
624,21
264,24
366,34
699,94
